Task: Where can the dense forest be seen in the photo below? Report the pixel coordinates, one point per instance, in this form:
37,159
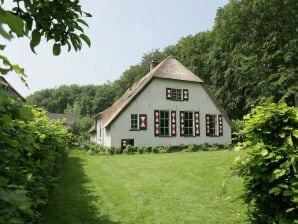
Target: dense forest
249,57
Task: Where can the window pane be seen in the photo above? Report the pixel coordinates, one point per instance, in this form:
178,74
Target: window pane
134,121
213,125
176,94
164,123
188,123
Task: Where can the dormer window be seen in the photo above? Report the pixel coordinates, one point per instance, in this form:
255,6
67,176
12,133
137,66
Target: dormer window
176,94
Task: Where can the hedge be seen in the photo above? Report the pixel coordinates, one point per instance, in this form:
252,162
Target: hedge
94,149
32,152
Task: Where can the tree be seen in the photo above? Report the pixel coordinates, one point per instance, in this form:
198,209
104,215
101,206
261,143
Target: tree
57,21
255,53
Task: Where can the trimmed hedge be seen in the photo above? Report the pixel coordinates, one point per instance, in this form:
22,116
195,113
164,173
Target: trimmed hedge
32,150
94,149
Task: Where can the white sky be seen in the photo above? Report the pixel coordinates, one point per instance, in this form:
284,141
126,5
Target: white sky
121,31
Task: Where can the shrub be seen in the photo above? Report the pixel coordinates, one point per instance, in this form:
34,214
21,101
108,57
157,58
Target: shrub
192,148
148,149
32,150
115,150
142,149
269,168
156,149
167,148
129,149
204,147
182,147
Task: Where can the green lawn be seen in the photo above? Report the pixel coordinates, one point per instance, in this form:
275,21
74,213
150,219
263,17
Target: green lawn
152,188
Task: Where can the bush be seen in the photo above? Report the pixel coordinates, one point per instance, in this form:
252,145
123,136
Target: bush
142,149
129,149
32,150
182,147
156,149
192,148
167,148
204,147
269,168
115,150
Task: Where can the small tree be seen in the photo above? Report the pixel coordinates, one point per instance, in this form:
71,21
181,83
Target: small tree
269,167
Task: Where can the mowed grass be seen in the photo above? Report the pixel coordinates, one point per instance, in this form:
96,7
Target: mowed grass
152,188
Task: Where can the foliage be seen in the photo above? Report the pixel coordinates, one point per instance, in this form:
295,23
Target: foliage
58,21
129,150
192,148
32,151
255,53
82,101
95,149
269,168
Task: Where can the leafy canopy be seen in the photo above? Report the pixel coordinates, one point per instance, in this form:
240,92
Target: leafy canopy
58,21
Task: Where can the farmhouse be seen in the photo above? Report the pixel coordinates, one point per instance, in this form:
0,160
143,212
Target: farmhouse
170,105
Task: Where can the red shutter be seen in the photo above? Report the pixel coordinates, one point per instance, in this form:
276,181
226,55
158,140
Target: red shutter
143,122
207,125
185,94
197,123
220,125
124,143
182,123
168,93
156,123
173,123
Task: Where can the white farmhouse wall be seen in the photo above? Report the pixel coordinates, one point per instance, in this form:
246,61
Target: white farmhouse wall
93,137
153,98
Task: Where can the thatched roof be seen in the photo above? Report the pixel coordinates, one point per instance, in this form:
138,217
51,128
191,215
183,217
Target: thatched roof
92,129
169,68
68,119
7,87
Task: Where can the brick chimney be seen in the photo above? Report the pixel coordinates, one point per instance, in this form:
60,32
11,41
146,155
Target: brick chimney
153,64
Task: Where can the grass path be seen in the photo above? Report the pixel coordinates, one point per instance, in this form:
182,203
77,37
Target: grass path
161,188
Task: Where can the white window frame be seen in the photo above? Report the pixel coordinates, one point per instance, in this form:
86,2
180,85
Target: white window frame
137,120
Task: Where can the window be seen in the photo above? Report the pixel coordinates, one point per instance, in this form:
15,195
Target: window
176,94
188,123
164,123
134,122
213,125
125,142
138,122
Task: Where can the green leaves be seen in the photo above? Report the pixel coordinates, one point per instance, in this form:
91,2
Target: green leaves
269,169
32,151
56,49
86,39
35,40
15,23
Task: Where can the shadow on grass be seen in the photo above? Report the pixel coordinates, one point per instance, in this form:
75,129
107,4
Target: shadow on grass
71,202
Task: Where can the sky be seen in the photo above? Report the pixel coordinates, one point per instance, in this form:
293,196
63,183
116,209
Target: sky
121,31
